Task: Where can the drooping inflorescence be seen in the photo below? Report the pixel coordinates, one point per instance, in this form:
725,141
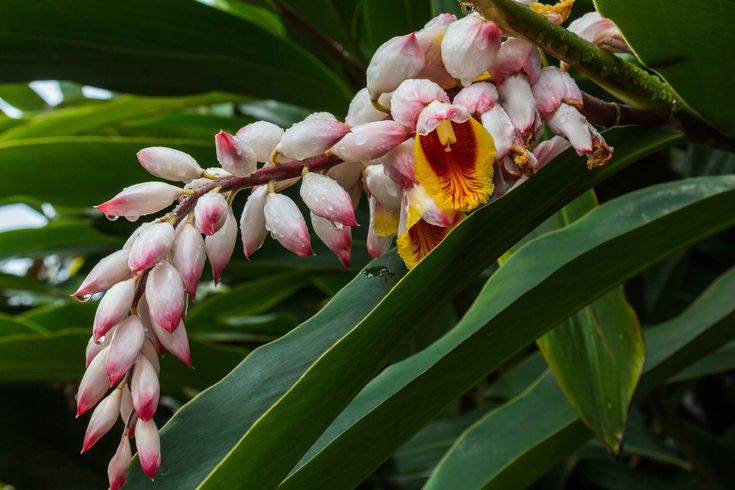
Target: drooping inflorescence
451,116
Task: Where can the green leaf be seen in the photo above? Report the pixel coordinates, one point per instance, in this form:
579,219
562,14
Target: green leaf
708,321
384,19
446,6
166,47
508,314
433,283
688,44
56,237
22,97
10,325
73,120
718,362
95,167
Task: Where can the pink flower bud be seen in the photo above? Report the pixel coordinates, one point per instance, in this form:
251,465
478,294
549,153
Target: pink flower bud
119,464
337,238
103,419
124,348
114,307
436,112
144,388
569,123
149,351
411,97
164,292
371,140
169,164
553,88
95,347
140,199
346,174
430,40
210,213
235,155
149,447
286,224
478,98
252,222
108,271
398,164
516,55
126,405
151,246
599,31
396,60
498,124
262,137
550,149
220,245
189,256
134,236
94,383
518,101
326,198
362,110
382,187
310,137
376,245
176,342
469,47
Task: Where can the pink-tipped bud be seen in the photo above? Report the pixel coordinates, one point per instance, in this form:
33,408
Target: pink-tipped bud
382,187
114,307
169,164
396,60
165,296
210,213
221,245
286,224
124,348
127,410
362,110
347,174
140,200
517,55
176,342
262,137
411,97
436,112
553,88
310,137
376,245
371,140
518,101
94,383
149,447
145,389
108,272
151,246
501,128
478,98
599,31
189,256
252,222
95,347
103,419
430,40
469,47
134,236
119,464
398,164
337,238
326,198
236,156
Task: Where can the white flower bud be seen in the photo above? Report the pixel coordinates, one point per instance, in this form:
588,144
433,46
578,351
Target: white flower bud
169,164
262,137
469,47
235,155
140,200
311,137
151,246
396,60
210,212
286,224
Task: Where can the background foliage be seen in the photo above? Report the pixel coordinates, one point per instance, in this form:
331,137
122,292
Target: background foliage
624,292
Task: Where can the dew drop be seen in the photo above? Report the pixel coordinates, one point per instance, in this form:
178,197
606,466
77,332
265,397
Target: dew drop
132,219
112,217
83,298
100,340
467,7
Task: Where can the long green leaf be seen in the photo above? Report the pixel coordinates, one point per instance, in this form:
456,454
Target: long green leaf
708,321
585,260
469,249
165,47
56,237
689,44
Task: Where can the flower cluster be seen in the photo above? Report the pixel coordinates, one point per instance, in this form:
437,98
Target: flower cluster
451,115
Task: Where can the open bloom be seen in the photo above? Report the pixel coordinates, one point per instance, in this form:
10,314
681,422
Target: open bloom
411,97
454,156
396,60
469,47
430,39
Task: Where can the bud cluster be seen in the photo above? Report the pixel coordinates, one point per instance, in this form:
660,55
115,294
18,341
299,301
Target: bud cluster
451,115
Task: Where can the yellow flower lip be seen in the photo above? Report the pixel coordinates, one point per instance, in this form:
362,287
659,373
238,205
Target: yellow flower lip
455,164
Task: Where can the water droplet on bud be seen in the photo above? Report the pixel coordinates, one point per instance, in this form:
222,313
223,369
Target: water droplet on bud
111,217
467,7
132,219
100,340
83,298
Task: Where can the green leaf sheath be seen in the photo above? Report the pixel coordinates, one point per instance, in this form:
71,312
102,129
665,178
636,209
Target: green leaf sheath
584,260
322,393
166,47
542,420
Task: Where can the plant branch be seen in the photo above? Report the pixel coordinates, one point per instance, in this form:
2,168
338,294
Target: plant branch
608,114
